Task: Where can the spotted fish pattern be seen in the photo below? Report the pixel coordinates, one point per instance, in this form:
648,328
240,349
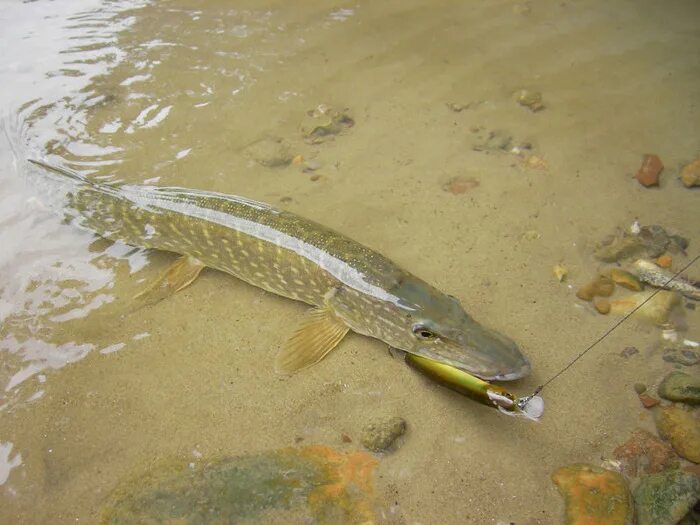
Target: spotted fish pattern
351,286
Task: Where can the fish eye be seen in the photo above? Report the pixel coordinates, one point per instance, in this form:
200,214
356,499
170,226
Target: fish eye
421,332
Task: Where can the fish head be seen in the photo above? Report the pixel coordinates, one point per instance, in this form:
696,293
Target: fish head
436,326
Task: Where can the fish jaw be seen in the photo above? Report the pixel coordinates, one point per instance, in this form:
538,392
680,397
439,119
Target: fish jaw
482,352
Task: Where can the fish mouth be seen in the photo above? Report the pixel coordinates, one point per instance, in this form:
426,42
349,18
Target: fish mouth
484,353
511,375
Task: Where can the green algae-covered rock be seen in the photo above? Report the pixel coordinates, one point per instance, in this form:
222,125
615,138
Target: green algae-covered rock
679,386
593,495
665,498
309,485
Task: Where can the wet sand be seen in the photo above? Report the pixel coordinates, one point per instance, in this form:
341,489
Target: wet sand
618,81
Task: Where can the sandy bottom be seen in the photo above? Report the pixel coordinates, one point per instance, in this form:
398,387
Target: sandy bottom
173,93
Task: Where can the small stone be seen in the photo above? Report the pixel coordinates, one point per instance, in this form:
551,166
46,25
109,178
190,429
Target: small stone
664,261
626,279
324,123
681,357
681,427
629,351
311,165
536,163
297,161
593,495
345,438
560,272
679,386
619,247
655,239
601,286
644,453
640,388
457,108
531,235
664,498
648,174
648,401
379,435
459,185
678,244
271,152
690,175
602,306
495,141
530,99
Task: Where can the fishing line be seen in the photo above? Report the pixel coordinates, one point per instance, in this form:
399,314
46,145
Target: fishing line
525,400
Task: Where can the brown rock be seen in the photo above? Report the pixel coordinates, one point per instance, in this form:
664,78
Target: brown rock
601,286
682,428
648,401
626,279
601,305
643,453
690,175
648,174
664,261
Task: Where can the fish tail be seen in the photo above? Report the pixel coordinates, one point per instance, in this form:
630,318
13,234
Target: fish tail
63,172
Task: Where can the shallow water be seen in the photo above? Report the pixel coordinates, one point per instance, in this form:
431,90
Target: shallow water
171,93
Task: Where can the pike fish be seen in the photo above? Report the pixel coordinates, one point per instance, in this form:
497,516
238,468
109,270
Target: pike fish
349,286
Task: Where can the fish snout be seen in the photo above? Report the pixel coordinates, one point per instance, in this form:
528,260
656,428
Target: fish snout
493,356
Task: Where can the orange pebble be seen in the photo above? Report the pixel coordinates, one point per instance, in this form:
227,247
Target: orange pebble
664,261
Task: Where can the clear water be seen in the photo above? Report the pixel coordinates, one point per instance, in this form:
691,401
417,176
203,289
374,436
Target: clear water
171,93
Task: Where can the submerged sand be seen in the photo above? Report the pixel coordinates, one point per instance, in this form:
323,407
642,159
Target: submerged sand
173,93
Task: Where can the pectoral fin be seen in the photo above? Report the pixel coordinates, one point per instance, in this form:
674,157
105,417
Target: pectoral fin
320,331
178,276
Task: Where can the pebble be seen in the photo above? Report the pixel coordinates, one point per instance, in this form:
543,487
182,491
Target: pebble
681,427
643,453
536,163
648,401
380,434
311,165
600,287
629,351
560,272
681,357
664,498
271,152
495,141
593,495
690,175
626,279
530,99
680,386
459,185
640,388
602,306
650,241
648,174
664,261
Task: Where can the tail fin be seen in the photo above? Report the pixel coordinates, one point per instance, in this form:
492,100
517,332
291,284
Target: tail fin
64,173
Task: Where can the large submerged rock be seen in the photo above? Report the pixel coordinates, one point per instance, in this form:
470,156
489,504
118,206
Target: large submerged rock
313,484
593,495
664,498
